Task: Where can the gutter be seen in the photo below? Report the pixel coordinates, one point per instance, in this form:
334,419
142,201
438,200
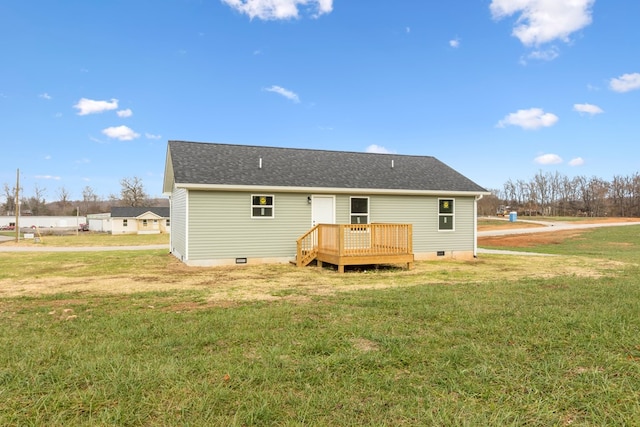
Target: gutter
327,190
475,224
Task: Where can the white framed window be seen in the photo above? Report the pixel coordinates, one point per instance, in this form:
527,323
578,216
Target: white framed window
125,222
359,210
262,206
144,223
446,214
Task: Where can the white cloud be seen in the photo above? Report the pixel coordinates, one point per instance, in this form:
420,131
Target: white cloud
542,21
625,83
454,43
544,54
47,157
125,113
279,9
83,161
284,92
152,136
45,96
533,118
122,133
373,148
587,109
578,161
51,177
91,106
548,159
94,139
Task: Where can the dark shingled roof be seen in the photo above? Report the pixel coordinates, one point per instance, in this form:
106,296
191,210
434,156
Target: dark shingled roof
239,165
133,212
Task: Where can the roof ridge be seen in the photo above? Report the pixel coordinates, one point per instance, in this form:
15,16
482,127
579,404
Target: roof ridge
301,149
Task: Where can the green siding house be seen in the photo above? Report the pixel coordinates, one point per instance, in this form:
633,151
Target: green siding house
237,204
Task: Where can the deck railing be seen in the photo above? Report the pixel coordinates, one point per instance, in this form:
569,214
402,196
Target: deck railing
307,247
358,241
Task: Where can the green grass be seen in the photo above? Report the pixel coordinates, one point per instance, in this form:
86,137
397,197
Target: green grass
95,239
563,350
610,243
16,265
534,353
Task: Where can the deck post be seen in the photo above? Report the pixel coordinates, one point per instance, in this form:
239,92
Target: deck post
410,243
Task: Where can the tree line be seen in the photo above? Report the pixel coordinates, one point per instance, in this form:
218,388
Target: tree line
132,193
554,194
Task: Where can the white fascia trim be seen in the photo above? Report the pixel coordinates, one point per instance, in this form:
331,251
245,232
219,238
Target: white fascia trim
326,190
151,216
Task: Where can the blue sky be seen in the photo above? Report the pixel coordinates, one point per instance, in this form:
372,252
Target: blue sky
91,91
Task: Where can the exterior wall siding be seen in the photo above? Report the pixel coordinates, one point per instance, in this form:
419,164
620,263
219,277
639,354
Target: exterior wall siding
118,226
422,212
221,227
178,240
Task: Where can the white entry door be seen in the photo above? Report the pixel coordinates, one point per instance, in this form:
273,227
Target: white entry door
323,210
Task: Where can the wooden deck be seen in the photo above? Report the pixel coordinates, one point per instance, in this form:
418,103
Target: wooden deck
356,244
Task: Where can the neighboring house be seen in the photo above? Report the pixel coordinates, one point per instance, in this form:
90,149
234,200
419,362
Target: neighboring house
140,220
248,204
100,222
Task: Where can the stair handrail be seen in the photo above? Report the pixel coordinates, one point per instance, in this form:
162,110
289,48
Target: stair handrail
311,247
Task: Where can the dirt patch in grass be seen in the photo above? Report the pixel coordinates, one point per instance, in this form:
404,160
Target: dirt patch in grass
529,240
221,286
607,220
488,224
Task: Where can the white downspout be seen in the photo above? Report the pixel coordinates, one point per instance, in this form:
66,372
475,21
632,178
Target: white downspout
475,225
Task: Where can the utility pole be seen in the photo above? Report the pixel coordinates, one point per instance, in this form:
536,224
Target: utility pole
17,205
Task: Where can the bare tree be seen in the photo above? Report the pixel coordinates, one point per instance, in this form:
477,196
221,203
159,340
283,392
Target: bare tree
540,187
488,205
132,192
36,204
63,199
635,194
552,194
619,192
510,193
567,196
9,205
89,200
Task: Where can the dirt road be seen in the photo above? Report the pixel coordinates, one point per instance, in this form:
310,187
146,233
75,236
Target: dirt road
548,226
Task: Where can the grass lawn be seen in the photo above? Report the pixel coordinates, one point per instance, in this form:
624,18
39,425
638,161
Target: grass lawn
90,239
502,341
